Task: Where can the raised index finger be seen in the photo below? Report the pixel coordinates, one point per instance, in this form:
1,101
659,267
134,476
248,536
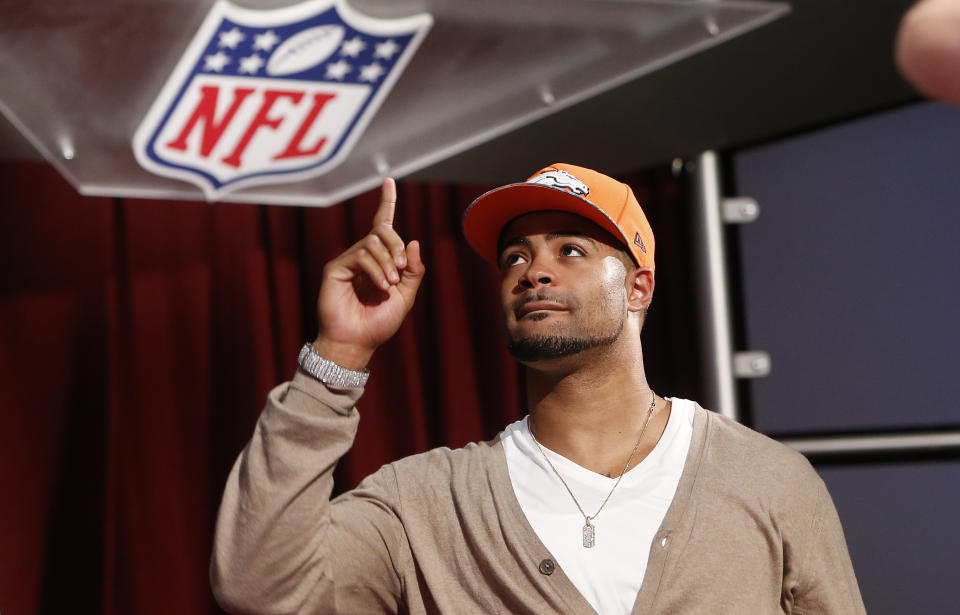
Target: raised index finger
388,203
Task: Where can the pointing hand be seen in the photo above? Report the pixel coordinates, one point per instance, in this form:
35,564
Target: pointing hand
367,291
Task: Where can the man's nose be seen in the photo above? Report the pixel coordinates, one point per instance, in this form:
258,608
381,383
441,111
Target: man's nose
536,275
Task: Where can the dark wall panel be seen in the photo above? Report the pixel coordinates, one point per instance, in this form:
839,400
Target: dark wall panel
901,525
851,275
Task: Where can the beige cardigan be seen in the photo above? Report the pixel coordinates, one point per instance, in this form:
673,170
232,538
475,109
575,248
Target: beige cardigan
751,530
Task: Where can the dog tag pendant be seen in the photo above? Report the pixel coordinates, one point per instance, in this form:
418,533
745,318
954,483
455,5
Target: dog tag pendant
589,535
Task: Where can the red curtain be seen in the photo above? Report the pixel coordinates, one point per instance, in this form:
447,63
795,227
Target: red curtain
138,340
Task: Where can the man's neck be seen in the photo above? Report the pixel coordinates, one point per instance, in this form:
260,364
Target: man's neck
594,411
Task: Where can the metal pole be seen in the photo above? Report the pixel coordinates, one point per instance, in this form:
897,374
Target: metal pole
879,443
713,289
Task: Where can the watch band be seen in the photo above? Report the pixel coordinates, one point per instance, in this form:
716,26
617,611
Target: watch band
328,372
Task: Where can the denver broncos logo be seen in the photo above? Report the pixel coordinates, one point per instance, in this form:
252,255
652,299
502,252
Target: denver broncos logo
562,180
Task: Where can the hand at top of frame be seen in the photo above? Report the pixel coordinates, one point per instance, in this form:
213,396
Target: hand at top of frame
928,48
367,291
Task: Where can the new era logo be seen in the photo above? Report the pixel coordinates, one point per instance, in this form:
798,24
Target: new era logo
639,242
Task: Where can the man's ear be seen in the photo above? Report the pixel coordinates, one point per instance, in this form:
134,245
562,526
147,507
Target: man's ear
640,291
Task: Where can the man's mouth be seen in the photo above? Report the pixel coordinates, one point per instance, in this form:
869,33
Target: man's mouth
538,306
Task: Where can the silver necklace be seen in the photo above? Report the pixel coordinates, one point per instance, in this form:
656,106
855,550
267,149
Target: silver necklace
589,530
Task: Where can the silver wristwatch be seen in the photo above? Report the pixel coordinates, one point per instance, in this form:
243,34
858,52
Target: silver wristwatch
328,372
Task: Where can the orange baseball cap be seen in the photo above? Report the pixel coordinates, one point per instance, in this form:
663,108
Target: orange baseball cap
561,187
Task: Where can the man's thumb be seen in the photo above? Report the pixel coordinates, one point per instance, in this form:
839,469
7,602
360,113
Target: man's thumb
413,273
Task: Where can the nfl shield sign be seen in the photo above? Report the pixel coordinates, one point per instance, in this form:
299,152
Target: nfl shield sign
273,95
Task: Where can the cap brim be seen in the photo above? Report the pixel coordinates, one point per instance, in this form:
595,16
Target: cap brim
490,212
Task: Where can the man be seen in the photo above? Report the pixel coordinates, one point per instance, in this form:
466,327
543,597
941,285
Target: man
607,498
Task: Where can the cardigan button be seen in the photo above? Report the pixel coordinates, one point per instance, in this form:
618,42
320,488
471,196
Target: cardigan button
547,567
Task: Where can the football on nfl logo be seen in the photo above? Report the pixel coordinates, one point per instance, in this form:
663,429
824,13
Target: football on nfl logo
267,96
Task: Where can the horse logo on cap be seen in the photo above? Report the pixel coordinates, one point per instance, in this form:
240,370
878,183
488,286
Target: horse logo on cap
562,180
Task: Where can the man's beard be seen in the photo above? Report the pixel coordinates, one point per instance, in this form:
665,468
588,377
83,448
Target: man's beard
540,347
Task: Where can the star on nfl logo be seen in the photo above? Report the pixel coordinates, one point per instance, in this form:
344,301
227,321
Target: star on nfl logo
273,96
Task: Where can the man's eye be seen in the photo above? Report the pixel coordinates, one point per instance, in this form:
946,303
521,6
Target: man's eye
512,259
571,251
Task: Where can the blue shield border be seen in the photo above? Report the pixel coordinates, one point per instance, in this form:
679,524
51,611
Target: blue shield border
408,32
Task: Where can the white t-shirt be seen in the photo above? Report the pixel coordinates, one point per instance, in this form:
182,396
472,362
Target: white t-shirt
608,575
